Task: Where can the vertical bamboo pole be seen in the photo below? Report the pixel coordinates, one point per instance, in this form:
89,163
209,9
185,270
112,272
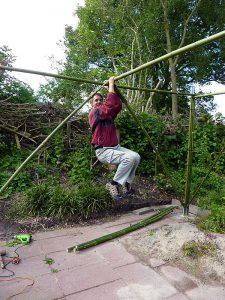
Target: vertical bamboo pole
123,99
48,138
189,159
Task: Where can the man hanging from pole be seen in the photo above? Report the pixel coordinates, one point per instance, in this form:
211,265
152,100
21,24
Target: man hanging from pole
106,144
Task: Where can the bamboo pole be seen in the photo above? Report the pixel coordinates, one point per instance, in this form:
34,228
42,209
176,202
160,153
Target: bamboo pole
209,94
81,80
174,53
157,216
123,99
135,70
48,138
189,159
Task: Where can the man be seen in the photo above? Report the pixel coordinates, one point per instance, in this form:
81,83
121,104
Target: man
106,144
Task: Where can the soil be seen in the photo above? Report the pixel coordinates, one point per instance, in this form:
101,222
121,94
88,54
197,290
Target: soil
146,194
166,243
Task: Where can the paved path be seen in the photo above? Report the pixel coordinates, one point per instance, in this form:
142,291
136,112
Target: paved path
104,272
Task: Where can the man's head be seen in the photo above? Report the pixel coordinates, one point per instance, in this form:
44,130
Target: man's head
97,100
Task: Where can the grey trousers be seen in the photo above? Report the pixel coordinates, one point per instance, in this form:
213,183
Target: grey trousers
127,161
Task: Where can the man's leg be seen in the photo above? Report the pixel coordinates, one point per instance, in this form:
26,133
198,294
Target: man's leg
135,158
127,161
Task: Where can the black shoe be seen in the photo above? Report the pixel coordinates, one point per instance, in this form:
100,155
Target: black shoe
127,189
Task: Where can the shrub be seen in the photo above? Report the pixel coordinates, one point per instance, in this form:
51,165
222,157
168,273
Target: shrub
85,200
215,221
62,203
36,200
79,163
92,199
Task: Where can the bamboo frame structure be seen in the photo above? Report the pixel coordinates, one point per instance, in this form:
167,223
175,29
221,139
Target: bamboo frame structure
189,159
144,66
81,80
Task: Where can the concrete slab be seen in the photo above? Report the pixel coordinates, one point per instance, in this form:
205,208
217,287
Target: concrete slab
66,261
142,278
115,254
207,292
154,262
59,243
142,211
180,279
109,291
26,251
178,296
28,267
85,277
106,271
42,288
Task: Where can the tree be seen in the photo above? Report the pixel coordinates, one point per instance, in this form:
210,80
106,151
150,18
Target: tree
11,88
116,36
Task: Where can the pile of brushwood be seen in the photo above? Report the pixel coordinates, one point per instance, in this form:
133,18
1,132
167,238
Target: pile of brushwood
30,123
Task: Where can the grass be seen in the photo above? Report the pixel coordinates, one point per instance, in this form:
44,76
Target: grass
196,250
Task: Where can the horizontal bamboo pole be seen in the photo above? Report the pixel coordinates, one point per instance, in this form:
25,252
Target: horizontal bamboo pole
209,94
81,80
144,66
48,138
157,216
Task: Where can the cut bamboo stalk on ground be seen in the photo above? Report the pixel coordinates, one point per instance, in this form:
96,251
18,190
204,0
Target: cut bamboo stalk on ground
157,216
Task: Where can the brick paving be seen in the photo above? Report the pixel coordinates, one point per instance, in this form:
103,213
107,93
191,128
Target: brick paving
104,272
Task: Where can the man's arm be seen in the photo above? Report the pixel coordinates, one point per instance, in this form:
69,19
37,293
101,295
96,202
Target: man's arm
111,85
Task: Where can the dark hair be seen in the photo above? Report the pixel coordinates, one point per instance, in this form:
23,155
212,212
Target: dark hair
99,94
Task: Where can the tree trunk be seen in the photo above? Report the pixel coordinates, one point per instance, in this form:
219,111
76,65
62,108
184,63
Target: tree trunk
174,89
172,62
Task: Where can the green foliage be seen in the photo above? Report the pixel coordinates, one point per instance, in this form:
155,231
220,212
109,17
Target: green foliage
53,270
84,200
11,88
92,199
36,199
49,261
62,202
133,137
209,137
195,249
79,163
11,159
113,37
215,221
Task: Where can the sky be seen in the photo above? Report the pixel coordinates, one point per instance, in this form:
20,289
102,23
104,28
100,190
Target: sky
33,30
